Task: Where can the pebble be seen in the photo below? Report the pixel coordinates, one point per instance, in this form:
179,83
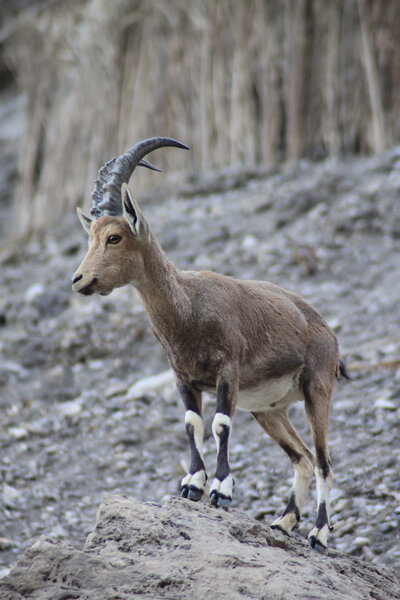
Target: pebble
33,291
385,404
116,389
18,433
358,543
5,543
10,497
249,242
4,572
153,385
72,408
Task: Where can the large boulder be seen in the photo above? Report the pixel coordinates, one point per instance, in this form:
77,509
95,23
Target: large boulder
185,550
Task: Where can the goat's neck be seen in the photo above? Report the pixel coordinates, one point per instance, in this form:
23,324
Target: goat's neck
161,292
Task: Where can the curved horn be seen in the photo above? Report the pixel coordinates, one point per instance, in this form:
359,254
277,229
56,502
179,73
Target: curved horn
103,177
106,194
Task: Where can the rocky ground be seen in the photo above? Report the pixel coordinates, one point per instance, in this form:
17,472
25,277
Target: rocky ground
184,550
71,426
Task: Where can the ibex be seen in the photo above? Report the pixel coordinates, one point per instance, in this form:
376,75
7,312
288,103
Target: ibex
252,344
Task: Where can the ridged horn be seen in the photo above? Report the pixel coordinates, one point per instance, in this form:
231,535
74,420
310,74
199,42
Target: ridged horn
106,194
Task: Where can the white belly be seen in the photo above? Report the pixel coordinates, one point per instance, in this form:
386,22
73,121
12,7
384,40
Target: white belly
274,393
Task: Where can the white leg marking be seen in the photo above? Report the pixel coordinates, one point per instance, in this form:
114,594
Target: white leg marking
303,474
198,479
221,490
193,483
324,486
217,426
196,421
286,523
320,535
226,487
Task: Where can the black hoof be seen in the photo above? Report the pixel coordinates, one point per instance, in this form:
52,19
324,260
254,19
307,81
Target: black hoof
224,501
194,494
319,547
214,498
279,528
184,491
316,544
217,499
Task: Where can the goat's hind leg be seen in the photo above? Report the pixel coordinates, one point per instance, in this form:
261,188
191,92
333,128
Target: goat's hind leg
278,426
192,485
317,401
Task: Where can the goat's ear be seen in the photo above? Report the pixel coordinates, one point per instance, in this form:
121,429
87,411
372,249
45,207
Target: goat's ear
132,213
84,219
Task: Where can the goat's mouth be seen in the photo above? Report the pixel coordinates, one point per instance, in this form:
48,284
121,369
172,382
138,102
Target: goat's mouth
88,289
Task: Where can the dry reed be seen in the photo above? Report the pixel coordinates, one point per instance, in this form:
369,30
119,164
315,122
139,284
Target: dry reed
240,82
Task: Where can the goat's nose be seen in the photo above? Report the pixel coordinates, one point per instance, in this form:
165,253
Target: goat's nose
77,278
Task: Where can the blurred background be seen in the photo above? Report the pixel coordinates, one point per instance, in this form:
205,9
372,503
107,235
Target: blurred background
242,83
291,110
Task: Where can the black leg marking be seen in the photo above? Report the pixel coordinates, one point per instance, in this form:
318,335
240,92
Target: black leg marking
322,516
292,507
196,462
223,469
192,485
191,400
190,490
224,400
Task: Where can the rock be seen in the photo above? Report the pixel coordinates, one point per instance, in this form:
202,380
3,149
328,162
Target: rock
34,291
385,404
10,497
150,385
72,408
183,550
18,433
5,543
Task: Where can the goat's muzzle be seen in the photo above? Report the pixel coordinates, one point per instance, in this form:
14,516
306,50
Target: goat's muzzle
81,287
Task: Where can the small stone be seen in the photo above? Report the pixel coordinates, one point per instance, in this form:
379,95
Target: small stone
11,497
154,384
72,408
33,291
96,365
387,526
358,543
346,527
340,505
12,367
116,389
335,324
18,433
58,532
4,572
249,242
385,404
5,543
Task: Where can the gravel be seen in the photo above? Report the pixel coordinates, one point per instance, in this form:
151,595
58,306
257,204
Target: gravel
72,425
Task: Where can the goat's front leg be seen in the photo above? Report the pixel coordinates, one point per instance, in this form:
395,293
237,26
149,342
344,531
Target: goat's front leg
222,485
192,485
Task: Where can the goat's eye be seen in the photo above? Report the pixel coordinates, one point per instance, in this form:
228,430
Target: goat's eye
114,239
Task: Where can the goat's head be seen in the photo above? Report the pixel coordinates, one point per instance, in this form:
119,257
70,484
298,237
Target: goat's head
117,228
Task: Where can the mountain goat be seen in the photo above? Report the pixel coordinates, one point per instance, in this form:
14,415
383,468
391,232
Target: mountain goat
252,344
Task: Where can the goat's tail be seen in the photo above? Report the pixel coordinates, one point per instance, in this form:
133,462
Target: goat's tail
343,371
